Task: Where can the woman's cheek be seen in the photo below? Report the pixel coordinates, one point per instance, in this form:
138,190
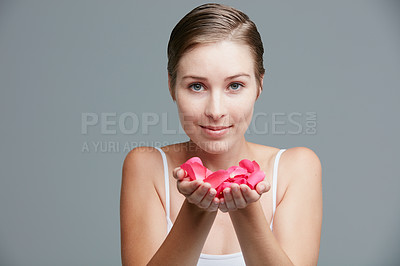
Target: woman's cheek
244,112
186,122
188,119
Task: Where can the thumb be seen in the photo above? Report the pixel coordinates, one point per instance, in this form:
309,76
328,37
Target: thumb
181,174
262,187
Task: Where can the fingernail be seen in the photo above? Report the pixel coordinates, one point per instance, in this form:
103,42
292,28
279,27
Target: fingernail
262,187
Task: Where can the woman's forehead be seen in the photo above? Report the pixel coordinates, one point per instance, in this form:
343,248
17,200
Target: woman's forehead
224,58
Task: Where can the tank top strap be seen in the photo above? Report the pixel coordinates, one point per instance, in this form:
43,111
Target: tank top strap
166,182
274,183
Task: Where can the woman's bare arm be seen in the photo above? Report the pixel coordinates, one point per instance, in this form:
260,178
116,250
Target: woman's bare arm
184,243
297,221
143,221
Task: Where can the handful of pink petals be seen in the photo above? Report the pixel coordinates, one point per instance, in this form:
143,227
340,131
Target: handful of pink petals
248,172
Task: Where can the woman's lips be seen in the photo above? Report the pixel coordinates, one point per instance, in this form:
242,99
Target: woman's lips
215,132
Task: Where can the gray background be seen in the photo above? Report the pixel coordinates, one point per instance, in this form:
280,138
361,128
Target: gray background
60,59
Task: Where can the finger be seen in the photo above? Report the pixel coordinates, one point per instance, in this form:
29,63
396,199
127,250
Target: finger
187,187
199,193
175,173
238,198
230,204
182,174
208,198
249,194
214,205
262,187
222,205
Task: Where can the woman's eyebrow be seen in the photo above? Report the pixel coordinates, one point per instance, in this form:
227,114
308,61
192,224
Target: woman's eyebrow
228,78
238,75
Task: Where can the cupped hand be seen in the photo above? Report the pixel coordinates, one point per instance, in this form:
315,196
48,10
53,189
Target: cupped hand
239,196
196,192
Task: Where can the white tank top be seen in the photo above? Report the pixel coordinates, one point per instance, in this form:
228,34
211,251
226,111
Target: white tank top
234,259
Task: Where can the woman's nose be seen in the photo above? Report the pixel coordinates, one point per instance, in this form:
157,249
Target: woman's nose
215,106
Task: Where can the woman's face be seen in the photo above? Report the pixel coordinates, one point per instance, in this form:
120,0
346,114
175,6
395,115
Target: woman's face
215,93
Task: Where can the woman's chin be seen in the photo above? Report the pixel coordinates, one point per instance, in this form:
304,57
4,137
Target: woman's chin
215,147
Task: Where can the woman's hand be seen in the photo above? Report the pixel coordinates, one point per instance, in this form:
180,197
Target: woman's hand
239,196
196,192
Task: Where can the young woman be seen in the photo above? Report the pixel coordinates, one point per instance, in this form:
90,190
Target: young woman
215,74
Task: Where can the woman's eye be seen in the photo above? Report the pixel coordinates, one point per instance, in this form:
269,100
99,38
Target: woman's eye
235,86
196,86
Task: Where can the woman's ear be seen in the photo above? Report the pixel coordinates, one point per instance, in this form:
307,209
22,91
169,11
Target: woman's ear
261,86
170,88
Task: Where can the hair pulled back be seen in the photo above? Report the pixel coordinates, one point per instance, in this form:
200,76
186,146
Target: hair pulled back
211,23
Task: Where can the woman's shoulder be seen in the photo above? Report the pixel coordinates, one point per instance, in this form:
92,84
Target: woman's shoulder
149,160
141,155
299,169
296,161
142,162
301,157
297,156
176,153
301,164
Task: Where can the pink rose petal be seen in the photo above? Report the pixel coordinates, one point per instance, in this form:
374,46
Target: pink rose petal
247,164
194,160
208,172
199,170
216,178
238,180
221,188
189,170
236,170
255,178
195,171
248,172
256,166
194,168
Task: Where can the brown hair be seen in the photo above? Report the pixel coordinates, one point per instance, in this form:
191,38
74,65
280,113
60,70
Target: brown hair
210,23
